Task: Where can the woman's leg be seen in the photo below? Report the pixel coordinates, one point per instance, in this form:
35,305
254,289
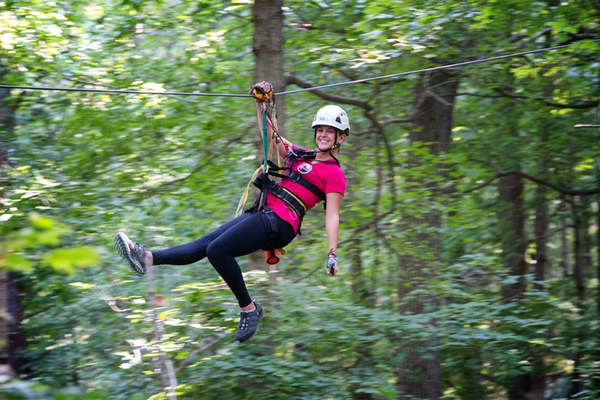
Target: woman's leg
241,239
238,237
246,237
195,251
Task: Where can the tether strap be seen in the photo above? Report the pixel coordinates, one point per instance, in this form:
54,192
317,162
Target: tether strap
265,139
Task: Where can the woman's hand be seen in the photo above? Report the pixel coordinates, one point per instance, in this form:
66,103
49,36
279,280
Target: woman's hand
332,265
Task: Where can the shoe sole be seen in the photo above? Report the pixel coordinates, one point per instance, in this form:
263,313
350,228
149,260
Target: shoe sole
125,252
260,317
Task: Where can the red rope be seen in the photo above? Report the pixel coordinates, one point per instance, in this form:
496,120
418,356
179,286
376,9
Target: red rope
285,145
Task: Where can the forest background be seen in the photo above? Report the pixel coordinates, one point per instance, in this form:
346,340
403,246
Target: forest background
469,232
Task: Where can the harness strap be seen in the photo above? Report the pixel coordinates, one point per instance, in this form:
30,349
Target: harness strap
272,220
262,182
289,198
296,177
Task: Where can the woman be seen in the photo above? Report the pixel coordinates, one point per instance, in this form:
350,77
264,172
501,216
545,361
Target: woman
270,225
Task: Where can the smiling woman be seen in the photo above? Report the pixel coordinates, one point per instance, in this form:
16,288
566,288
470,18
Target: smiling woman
309,177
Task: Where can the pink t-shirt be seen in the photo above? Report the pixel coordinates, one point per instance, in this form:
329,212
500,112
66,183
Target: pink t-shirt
327,176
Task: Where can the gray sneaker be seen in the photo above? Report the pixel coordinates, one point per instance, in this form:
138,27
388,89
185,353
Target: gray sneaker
136,258
249,324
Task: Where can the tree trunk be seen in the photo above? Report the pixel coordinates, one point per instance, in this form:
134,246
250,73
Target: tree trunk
541,221
12,339
11,334
162,362
580,226
514,242
536,379
564,243
514,245
8,108
361,297
419,373
359,288
598,196
268,48
268,53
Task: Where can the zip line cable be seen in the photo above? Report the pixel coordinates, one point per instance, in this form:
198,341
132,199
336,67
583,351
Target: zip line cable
418,71
391,76
115,91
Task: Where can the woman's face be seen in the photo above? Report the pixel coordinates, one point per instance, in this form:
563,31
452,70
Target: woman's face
325,137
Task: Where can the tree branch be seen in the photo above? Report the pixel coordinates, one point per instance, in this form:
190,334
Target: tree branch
503,94
589,104
192,354
294,80
196,169
398,121
374,221
501,173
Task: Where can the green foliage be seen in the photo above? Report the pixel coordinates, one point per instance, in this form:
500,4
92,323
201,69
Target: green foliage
169,169
43,232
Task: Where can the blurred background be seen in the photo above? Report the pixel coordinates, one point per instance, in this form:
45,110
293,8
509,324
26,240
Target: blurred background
469,231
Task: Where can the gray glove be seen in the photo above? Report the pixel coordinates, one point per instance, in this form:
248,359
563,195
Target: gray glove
332,264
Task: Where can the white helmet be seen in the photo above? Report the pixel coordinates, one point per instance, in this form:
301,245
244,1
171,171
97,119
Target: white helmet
332,116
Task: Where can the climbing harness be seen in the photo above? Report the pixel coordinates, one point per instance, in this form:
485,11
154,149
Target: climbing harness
266,185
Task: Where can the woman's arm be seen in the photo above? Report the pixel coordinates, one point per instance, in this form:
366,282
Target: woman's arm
282,144
332,220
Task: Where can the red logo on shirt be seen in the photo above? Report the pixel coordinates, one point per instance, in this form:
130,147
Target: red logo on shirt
304,168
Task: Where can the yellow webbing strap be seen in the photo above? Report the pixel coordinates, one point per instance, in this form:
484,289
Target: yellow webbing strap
295,197
244,199
263,168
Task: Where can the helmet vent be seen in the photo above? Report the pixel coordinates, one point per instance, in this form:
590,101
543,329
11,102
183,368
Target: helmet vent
338,119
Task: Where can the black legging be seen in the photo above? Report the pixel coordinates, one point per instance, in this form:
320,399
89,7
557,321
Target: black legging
240,236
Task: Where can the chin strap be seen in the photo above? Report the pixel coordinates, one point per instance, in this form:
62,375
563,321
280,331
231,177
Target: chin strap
332,156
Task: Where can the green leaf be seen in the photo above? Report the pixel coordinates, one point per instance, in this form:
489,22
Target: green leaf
16,262
67,259
41,222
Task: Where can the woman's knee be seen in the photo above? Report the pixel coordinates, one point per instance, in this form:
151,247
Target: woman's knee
215,250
